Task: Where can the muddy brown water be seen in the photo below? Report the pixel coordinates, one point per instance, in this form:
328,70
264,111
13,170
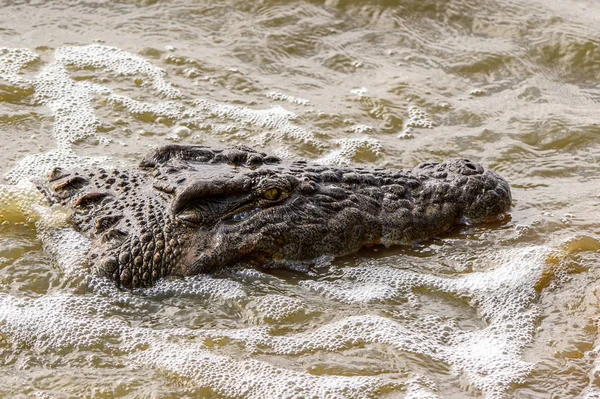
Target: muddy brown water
501,311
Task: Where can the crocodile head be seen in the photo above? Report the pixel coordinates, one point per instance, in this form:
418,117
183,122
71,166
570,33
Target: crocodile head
189,209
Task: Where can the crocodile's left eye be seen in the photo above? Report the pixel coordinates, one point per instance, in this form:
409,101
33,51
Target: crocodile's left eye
272,194
191,216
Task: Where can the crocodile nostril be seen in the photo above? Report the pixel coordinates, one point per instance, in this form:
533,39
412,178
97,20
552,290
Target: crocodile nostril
470,166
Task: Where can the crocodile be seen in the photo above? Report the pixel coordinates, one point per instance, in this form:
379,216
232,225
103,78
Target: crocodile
187,210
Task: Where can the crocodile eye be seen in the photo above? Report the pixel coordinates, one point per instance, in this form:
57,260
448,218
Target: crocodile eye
271,194
191,215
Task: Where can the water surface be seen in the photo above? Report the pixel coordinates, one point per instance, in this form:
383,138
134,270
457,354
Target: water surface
501,311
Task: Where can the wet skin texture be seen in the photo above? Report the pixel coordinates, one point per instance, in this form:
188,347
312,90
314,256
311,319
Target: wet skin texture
190,209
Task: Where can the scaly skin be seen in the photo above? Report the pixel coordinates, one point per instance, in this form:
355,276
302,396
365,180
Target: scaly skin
189,209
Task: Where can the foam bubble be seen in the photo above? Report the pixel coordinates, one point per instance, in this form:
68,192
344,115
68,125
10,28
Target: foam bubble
421,387
70,103
283,153
167,109
349,292
278,307
204,286
54,322
342,334
593,389
12,61
276,119
349,148
416,119
68,247
418,392
274,95
118,61
361,129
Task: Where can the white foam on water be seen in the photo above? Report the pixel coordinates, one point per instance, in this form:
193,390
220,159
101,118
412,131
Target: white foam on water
421,387
417,118
349,292
38,165
418,392
253,378
68,247
278,307
336,336
504,297
56,322
349,148
202,286
167,109
274,95
70,103
283,153
12,61
490,357
360,129
118,61
276,119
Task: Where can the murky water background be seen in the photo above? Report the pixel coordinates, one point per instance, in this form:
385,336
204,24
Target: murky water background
482,312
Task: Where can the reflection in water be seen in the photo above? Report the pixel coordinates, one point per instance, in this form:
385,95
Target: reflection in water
481,312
